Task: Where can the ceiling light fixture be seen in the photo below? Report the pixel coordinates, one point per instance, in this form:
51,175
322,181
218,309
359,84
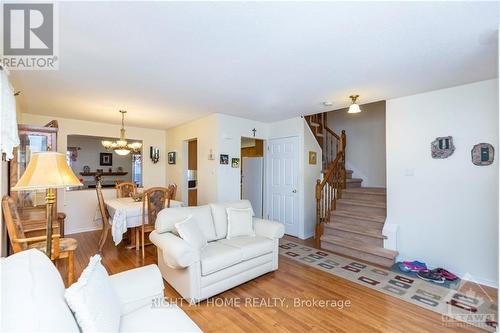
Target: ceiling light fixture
122,147
354,107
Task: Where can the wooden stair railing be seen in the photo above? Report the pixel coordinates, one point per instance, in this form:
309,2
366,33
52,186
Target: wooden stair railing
327,139
329,189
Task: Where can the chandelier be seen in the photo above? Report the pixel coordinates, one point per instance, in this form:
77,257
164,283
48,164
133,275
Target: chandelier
122,147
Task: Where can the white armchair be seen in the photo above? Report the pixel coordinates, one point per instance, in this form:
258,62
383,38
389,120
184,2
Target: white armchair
32,294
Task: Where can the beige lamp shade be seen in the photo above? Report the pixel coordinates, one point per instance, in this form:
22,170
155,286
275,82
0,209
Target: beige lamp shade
47,170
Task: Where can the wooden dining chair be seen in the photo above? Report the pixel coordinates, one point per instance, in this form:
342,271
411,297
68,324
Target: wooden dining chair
153,201
125,189
105,217
172,190
61,247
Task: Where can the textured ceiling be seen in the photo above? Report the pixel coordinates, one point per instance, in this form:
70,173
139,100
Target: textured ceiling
168,62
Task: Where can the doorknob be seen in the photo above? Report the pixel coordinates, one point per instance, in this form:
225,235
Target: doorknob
294,191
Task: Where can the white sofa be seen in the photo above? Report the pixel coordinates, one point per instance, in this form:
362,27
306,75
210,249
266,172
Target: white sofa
32,295
223,263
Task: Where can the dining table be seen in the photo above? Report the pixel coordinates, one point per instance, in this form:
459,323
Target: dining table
126,213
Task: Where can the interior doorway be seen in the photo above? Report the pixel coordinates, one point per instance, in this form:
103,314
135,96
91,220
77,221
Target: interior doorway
252,173
192,172
282,177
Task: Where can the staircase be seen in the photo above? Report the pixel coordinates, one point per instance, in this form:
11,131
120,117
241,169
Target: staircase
349,217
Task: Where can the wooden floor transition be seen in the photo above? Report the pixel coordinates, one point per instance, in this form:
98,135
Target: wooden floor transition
370,311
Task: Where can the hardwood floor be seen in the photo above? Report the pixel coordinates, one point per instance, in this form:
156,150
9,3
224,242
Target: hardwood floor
369,310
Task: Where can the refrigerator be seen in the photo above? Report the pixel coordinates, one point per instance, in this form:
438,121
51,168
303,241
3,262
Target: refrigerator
252,179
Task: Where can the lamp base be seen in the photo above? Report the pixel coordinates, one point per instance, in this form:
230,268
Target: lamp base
50,199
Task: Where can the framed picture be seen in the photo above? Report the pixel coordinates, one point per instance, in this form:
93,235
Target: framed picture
171,157
235,162
106,159
312,158
224,159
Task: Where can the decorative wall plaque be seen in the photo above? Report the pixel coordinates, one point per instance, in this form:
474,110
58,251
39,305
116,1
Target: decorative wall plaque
442,147
482,154
313,158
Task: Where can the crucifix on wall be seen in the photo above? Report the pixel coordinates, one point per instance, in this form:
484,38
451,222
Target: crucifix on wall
254,130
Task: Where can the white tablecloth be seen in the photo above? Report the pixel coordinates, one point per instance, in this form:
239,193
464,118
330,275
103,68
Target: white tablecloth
126,213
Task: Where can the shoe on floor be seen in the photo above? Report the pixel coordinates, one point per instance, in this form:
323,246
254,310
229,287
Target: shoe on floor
414,266
431,276
447,274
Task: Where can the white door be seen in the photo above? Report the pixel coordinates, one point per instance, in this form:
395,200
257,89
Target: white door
282,179
251,182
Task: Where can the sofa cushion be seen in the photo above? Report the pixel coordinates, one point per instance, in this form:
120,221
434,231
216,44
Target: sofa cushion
239,222
202,215
166,318
33,295
191,233
93,299
250,247
219,214
216,256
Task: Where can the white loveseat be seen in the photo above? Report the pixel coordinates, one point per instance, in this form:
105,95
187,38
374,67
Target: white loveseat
33,300
223,263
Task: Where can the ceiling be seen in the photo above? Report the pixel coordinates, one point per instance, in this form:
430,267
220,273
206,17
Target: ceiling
169,62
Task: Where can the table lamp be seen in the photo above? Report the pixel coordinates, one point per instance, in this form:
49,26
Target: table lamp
47,171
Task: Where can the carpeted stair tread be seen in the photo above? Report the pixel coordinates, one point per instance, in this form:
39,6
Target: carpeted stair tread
365,203
356,229
360,246
367,190
359,215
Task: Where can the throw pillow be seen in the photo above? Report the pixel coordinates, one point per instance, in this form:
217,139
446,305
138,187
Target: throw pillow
93,300
239,222
191,233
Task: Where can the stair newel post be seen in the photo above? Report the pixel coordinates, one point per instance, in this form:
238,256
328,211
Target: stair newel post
318,213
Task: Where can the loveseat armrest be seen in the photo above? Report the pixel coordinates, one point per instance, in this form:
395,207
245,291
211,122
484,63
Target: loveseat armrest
137,287
177,253
269,229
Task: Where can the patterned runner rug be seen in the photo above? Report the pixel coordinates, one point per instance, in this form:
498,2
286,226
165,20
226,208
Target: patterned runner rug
472,306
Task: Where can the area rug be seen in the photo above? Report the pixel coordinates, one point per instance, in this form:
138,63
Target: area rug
469,304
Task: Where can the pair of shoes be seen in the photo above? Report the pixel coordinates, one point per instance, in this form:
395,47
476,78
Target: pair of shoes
412,266
431,276
438,275
447,274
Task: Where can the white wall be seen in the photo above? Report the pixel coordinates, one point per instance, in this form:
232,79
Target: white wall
153,174
231,129
203,129
365,135
446,210
311,174
221,183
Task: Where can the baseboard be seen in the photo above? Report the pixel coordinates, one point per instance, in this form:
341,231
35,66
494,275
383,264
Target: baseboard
79,230
308,235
